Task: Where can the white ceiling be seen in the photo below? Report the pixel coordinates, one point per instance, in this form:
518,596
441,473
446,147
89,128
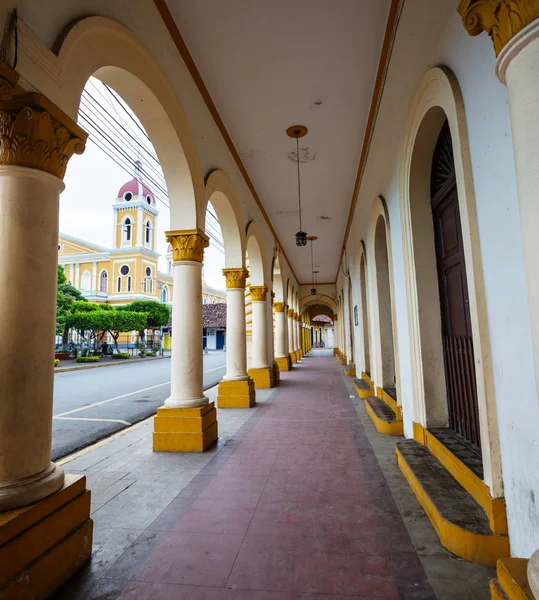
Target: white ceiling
270,65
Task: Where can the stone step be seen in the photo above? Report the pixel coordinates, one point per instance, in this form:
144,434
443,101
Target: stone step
511,581
460,522
385,420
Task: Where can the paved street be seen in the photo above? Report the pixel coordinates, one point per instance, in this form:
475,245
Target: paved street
94,403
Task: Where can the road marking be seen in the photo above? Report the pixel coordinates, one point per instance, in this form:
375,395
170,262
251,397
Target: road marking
89,419
70,412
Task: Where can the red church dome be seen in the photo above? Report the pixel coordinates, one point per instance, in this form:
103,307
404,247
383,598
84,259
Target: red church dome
136,187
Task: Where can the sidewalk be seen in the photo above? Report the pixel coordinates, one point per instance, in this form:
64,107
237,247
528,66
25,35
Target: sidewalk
300,500
73,365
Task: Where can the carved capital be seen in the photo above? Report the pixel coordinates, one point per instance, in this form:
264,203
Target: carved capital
501,19
296,316
35,133
258,293
291,313
235,278
188,244
278,307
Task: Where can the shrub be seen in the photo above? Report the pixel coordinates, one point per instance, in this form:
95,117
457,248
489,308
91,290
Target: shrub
150,353
121,355
56,362
87,359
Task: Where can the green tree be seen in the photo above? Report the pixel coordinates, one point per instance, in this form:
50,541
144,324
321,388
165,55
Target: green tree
157,314
123,321
91,321
66,297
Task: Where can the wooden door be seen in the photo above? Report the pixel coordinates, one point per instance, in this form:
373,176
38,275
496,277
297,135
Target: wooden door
454,303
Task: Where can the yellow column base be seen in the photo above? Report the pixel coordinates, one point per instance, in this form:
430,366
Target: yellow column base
236,394
293,358
512,580
185,429
351,370
335,351
276,373
284,363
263,378
42,545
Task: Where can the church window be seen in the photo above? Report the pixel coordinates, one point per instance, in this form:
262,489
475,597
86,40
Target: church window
149,199
119,285
213,300
148,272
204,300
127,230
129,283
86,281
148,230
124,270
104,282
128,196
164,295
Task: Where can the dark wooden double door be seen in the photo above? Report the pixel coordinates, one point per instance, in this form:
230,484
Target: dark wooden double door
454,301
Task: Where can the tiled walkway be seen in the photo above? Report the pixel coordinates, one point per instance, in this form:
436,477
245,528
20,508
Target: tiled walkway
296,505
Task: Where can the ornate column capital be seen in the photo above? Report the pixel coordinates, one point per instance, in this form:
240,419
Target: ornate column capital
296,316
258,293
278,307
235,278
291,312
187,244
35,133
501,19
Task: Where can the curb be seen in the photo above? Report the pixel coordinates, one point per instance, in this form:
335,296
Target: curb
111,364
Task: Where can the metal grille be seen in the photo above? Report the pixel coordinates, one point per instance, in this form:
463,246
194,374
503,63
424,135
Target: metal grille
461,383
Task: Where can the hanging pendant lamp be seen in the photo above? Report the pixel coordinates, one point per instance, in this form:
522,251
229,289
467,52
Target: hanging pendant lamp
298,131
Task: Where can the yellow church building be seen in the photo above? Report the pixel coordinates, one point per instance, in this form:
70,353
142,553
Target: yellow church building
129,270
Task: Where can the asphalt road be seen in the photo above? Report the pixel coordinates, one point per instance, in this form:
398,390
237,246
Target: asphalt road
95,403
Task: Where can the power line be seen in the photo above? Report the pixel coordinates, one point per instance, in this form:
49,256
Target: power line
117,141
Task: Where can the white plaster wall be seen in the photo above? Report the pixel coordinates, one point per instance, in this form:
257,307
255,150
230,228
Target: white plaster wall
432,34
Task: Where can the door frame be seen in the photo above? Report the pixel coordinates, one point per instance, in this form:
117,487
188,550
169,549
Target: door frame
438,97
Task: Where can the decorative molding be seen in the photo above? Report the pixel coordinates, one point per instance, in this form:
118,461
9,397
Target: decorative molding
235,278
501,19
8,81
290,313
35,133
188,244
278,307
258,293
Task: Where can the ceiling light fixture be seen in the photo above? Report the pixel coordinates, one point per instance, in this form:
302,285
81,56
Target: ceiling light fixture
297,131
311,239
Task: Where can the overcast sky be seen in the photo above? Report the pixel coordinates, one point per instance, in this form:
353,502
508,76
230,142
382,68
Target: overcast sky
92,183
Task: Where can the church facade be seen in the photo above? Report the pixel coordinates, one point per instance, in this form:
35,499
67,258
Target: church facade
129,270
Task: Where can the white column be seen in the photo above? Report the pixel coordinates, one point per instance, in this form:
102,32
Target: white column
76,283
29,225
259,342
94,277
186,387
291,348
280,330
236,350
518,67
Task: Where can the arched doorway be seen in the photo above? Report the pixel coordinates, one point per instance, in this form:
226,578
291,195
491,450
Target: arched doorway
364,308
456,325
385,321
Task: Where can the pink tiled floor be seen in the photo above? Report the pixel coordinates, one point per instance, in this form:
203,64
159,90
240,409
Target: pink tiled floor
299,510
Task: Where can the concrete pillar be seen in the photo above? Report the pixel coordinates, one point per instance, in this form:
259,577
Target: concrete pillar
38,140
94,276
261,371
281,350
236,390
533,573
515,35
179,426
291,347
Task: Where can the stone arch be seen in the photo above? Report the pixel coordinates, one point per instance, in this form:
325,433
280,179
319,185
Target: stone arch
438,98
309,301
120,60
277,279
223,198
255,250
385,349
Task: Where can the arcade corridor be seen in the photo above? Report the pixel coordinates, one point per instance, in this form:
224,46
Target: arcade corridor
303,501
